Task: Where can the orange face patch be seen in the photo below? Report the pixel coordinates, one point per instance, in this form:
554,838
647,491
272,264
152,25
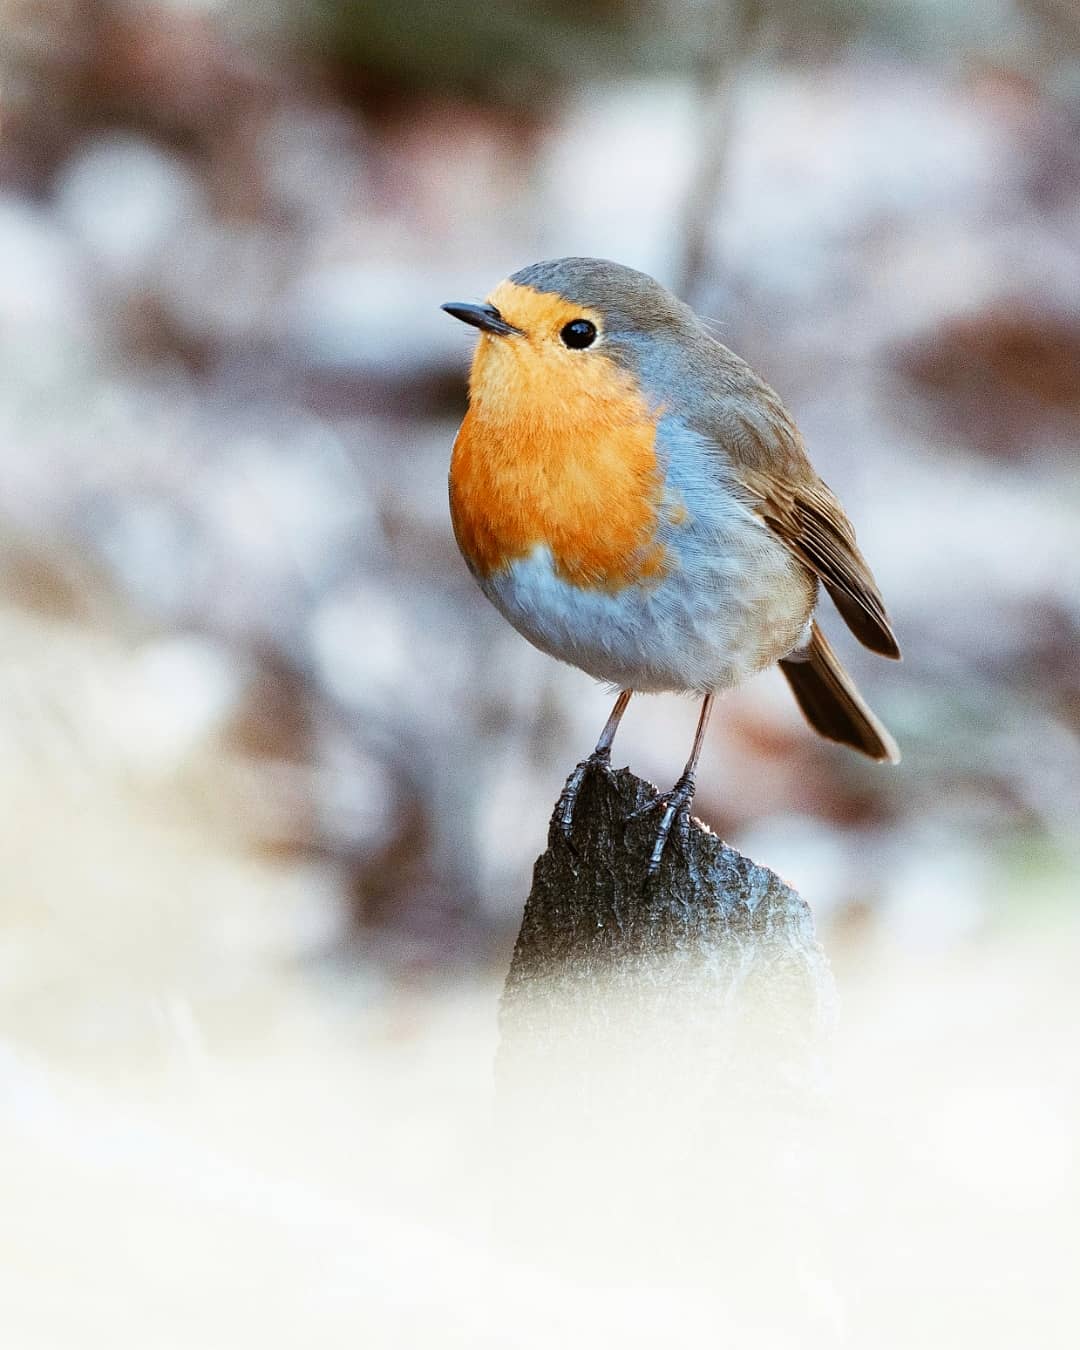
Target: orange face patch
558,449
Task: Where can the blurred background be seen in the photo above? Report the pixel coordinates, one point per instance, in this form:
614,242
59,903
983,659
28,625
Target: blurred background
274,772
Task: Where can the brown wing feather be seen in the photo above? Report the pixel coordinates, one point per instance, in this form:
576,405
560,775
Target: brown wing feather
746,421
812,523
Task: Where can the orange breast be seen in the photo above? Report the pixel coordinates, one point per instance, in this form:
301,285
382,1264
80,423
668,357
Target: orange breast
558,449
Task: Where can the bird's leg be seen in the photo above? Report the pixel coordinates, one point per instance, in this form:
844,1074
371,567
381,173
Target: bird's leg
677,801
599,759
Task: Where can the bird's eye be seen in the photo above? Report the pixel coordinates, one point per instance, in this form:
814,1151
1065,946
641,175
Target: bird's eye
579,333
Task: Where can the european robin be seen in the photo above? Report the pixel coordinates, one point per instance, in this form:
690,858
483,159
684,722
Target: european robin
638,503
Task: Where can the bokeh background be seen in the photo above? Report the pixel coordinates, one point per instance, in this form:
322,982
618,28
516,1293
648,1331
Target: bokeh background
274,773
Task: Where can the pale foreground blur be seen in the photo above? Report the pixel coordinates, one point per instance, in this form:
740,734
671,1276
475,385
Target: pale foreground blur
214,1136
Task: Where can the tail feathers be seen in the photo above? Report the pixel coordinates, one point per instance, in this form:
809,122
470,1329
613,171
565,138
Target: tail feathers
831,703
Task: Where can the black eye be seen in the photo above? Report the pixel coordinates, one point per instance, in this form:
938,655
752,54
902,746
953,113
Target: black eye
579,333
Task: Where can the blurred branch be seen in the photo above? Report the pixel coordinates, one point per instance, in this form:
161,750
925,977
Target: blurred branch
732,32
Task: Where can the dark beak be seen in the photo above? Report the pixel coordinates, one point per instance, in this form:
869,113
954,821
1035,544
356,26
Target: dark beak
485,317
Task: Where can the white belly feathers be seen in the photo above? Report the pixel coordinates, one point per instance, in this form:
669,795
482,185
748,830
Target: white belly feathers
731,602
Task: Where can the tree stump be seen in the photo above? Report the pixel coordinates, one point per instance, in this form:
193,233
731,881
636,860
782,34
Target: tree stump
663,1052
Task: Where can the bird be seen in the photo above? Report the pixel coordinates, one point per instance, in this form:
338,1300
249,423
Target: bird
638,503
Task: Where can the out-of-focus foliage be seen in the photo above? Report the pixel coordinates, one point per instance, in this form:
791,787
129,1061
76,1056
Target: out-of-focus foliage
518,52
524,53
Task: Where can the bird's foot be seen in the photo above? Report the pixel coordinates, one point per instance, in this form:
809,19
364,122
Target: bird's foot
675,806
598,762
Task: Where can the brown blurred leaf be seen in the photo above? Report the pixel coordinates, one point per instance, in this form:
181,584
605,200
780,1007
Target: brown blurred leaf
1003,379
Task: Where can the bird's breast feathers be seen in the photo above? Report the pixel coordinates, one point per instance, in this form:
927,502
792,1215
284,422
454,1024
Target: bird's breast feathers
564,460
625,550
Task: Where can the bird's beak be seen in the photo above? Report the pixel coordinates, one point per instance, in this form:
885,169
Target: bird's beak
485,317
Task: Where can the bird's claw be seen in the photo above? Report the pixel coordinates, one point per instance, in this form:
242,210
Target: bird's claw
676,814
598,761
